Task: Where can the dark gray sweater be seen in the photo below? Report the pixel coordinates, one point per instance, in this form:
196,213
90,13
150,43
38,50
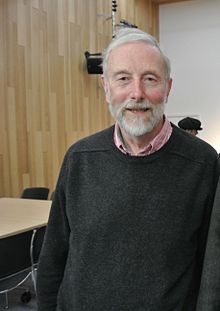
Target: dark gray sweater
128,233
209,297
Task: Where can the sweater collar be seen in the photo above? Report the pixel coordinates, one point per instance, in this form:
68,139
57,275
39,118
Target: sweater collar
157,142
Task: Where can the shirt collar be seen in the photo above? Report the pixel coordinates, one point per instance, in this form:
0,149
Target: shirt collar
157,143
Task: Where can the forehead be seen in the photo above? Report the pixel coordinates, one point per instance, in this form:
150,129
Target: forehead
136,56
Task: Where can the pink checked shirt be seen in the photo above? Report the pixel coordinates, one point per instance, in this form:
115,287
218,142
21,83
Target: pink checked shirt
157,143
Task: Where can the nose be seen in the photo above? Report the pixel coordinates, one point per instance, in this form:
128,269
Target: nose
137,90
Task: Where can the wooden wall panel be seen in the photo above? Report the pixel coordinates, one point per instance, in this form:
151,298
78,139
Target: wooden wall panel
48,101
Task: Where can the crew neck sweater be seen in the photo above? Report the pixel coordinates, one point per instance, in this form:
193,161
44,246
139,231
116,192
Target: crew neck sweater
128,233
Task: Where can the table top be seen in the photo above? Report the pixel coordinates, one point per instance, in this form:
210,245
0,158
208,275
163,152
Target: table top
19,215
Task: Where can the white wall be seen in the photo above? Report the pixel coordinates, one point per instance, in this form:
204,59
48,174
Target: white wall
190,35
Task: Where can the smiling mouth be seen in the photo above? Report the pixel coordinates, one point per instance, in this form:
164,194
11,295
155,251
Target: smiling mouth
135,110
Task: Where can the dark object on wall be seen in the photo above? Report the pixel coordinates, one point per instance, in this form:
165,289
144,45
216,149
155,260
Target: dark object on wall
124,23
94,63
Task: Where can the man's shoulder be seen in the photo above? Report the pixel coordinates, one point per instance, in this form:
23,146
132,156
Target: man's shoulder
98,141
193,147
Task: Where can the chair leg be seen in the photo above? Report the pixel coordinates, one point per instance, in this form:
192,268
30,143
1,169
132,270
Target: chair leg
33,273
6,300
33,276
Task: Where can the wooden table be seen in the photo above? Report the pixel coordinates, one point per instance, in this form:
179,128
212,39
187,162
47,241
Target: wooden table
20,215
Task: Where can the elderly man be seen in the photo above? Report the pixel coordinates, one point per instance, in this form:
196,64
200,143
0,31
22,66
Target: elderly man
130,215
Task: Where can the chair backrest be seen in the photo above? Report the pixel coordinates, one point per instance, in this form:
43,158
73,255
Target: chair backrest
37,193
15,254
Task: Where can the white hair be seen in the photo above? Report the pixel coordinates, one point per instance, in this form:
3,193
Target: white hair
126,35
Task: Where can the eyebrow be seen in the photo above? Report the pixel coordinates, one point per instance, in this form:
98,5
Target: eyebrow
148,72
120,72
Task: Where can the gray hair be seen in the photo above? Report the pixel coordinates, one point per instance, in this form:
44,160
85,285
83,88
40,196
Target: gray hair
126,35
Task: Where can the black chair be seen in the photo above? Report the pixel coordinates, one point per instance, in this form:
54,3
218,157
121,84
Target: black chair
15,264
19,253
37,193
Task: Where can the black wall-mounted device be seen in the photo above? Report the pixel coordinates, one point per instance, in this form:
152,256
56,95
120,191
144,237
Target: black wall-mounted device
94,63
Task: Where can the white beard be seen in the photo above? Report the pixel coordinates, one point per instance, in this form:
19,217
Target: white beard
137,125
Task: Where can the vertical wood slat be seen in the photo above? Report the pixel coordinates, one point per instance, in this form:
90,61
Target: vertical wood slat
48,100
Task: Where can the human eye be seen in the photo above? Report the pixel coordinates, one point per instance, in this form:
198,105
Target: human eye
150,79
123,79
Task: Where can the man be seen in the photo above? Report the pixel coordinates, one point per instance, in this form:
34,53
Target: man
210,283
131,209
190,125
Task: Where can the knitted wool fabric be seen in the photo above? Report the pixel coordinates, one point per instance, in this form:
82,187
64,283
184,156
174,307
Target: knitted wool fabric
128,233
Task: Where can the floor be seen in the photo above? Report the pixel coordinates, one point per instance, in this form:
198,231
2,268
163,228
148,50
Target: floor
14,299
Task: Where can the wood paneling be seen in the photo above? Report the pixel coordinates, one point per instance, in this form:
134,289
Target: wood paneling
48,101
167,1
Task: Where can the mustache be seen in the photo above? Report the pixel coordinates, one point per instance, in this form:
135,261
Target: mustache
134,105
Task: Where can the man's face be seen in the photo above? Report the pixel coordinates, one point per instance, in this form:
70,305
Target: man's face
136,87
193,132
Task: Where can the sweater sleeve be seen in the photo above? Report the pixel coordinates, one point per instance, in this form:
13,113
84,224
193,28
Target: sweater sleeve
209,298
54,250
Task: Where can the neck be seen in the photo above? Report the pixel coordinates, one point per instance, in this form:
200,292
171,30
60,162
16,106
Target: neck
136,144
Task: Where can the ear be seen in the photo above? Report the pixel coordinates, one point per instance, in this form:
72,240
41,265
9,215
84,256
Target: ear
106,88
169,86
